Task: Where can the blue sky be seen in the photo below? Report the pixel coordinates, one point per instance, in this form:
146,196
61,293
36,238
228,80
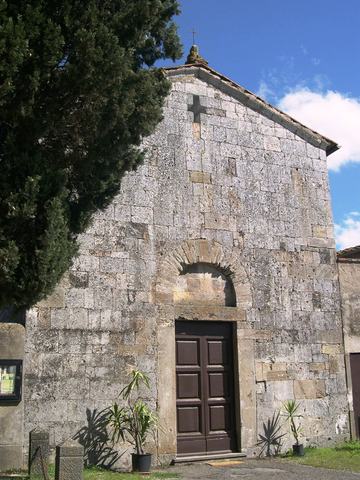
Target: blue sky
302,56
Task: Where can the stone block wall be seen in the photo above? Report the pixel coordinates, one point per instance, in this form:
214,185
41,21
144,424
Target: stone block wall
349,276
238,180
11,412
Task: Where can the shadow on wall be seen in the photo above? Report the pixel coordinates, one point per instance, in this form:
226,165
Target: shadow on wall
96,441
204,284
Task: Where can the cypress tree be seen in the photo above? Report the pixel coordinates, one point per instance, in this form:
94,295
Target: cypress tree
76,98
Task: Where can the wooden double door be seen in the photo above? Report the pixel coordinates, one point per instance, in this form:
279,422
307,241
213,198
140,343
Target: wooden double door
205,388
355,380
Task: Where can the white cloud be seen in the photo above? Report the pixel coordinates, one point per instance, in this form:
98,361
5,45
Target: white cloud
264,91
348,232
332,114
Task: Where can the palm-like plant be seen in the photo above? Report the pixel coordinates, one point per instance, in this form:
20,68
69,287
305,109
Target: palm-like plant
271,438
291,412
136,420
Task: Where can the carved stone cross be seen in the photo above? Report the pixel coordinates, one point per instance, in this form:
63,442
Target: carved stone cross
196,108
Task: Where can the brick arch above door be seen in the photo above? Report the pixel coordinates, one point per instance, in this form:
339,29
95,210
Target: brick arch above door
202,251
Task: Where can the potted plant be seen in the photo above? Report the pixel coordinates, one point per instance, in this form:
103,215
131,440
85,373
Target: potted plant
134,421
291,409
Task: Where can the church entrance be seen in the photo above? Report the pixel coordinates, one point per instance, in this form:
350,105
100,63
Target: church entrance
205,388
355,380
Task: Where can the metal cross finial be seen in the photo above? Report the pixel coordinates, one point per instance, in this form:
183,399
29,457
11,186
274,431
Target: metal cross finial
193,34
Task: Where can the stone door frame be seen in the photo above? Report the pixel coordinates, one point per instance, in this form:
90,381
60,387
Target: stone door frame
229,263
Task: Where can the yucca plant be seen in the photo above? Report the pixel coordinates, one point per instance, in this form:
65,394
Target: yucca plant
291,413
270,440
134,421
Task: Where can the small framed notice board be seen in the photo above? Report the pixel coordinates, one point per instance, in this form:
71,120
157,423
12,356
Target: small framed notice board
10,380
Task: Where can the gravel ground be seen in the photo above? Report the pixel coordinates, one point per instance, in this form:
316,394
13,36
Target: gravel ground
259,470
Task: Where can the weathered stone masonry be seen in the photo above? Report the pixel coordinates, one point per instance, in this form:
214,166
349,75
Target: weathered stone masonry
349,277
239,192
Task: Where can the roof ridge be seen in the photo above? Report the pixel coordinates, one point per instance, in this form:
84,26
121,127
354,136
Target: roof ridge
348,251
254,101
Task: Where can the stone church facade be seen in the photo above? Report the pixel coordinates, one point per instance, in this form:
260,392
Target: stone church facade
214,271
349,277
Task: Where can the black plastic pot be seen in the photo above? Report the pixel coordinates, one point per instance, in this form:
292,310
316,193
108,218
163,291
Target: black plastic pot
298,450
141,463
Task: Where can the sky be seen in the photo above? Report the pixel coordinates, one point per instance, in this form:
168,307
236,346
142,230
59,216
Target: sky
302,56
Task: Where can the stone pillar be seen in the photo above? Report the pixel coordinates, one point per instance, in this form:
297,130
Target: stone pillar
11,413
38,452
69,461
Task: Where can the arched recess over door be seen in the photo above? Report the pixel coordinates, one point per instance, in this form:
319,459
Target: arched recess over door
204,284
201,261
203,252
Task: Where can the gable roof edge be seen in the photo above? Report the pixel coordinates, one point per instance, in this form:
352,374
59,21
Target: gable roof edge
249,99
348,253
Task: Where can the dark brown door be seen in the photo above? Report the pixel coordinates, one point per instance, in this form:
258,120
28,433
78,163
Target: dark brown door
204,388
355,380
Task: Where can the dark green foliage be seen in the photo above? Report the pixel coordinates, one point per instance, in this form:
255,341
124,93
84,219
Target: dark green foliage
76,98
